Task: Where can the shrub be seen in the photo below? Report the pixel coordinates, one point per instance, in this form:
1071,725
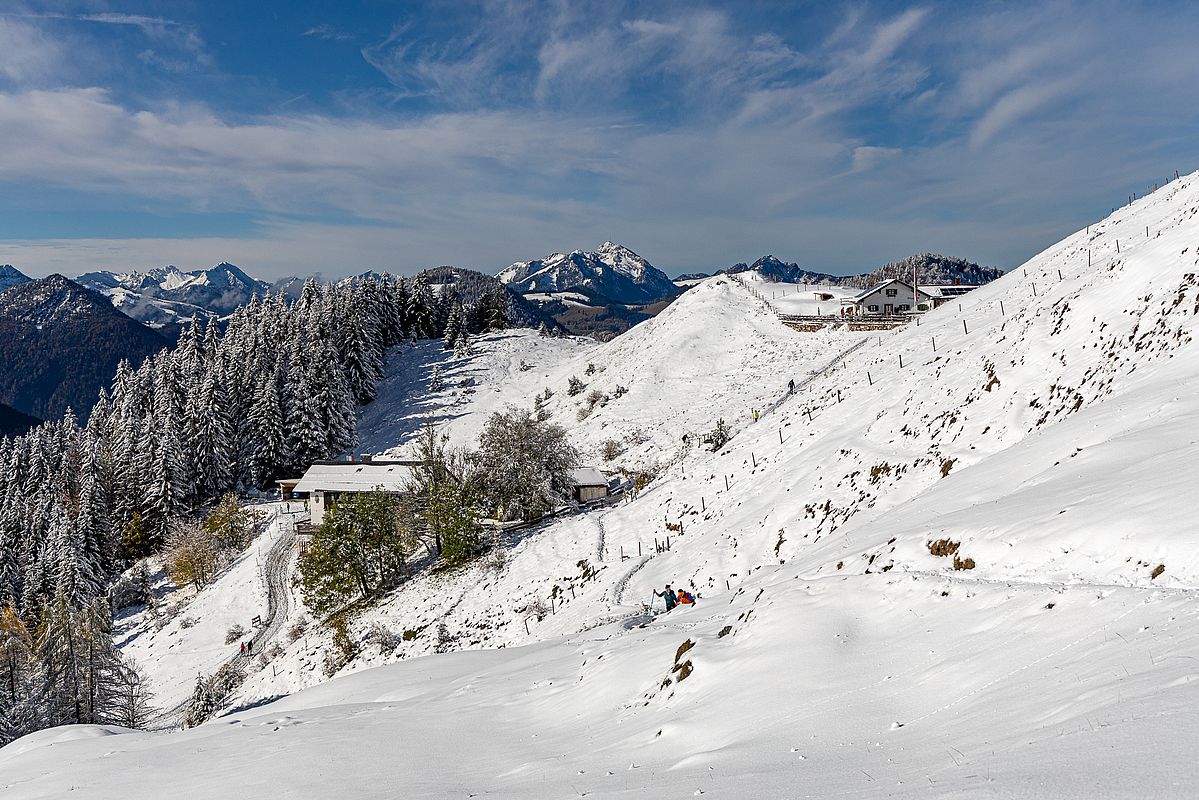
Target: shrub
297,629
943,548
720,435
590,370
537,608
344,647
574,386
596,398
387,640
234,633
963,563
523,465
445,641
611,449
496,559
231,524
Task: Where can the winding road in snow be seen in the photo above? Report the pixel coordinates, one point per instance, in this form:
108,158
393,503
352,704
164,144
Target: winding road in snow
276,576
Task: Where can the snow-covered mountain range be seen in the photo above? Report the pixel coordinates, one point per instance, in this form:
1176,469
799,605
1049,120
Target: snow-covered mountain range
954,560
611,273
169,295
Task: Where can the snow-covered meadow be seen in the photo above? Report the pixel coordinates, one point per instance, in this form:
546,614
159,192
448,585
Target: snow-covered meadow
972,574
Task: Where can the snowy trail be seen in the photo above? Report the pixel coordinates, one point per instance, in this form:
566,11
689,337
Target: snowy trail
276,577
277,573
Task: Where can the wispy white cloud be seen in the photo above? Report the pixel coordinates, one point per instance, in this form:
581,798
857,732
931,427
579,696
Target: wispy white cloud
328,33
27,55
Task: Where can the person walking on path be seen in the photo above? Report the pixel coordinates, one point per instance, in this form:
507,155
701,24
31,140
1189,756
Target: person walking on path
755,415
669,596
791,386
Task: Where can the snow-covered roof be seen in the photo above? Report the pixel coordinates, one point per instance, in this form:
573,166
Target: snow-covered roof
948,290
862,295
588,476
355,476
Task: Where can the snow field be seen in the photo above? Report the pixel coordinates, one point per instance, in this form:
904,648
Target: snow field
1050,438
869,685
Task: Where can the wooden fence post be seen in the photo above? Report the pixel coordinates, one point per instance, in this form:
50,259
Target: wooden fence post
965,330
1002,313
726,483
901,360
869,380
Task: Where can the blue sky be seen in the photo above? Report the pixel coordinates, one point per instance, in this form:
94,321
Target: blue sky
295,137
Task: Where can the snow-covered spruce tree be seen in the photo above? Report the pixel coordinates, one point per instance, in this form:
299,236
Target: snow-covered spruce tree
463,347
524,465
419,313
497,311
362,353
455,326
268,453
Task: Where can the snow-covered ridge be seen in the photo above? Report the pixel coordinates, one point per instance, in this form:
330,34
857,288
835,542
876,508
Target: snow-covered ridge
167,294
972,573
611,272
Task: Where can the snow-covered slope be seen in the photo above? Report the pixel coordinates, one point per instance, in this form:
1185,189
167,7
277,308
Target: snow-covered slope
610,273
1041,441
716,353
168,295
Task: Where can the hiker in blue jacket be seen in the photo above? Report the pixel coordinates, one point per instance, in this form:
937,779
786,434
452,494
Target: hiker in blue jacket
669,596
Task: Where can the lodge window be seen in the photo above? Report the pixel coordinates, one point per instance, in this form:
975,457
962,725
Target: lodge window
905,307
873,308
892,292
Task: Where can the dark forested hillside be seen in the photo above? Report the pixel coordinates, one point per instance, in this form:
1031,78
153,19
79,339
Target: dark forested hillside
473,288
13,422
62,344
930,268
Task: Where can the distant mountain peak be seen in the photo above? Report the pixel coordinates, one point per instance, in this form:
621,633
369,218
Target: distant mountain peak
10,276
612,272
167,295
